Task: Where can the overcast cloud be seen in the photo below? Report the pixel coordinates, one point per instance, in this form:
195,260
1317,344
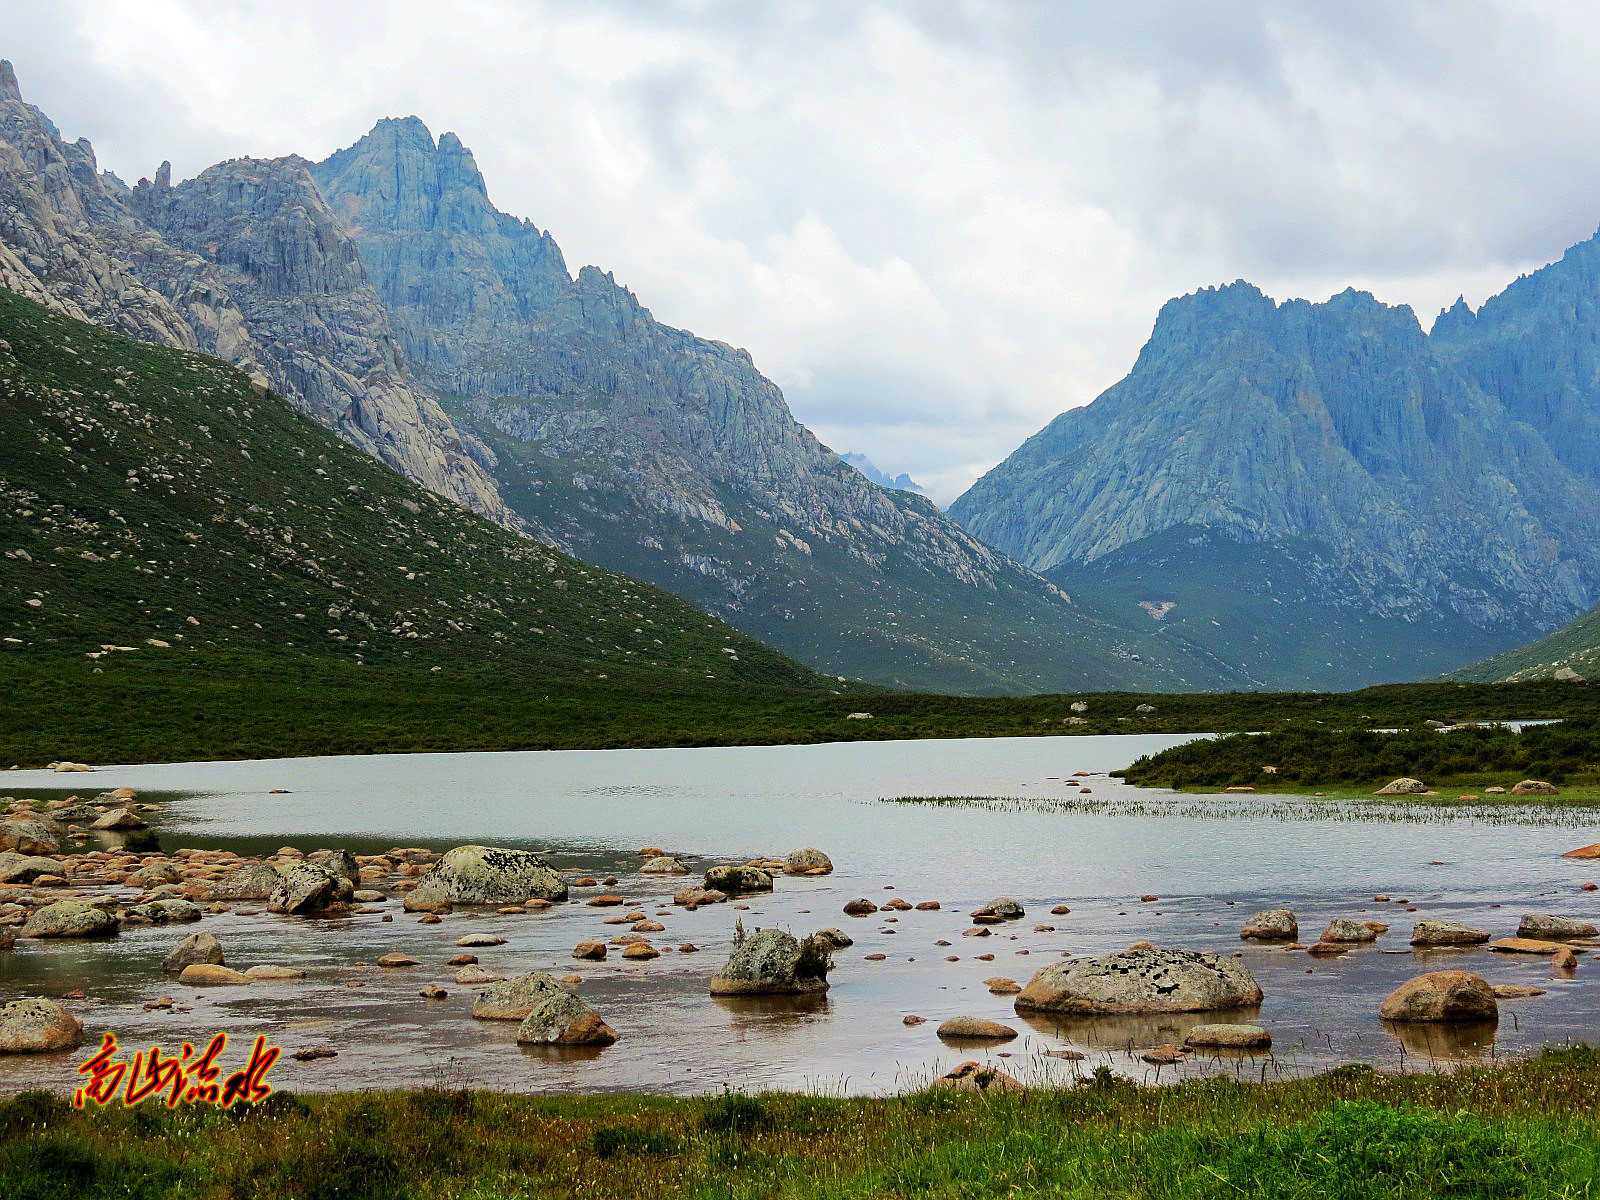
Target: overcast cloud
935,225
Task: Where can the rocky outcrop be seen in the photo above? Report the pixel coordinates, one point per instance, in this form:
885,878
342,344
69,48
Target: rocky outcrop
773,962
244,263
486,875
1141,981
1334,463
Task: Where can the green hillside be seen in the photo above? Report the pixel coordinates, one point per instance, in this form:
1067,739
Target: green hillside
1573,647
163,515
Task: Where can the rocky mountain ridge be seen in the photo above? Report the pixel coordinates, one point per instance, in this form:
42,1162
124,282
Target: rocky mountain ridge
1418,493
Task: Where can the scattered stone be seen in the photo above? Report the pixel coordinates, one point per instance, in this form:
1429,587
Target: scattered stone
693,896
1516,991
470,976
1534,787
663,865
1343,929
1163,1056
641,950
1001,986
1236,1037
121,818
70,918
1271,925
211,973
975,1077
1327,949
513,999
397,959
1446,933
312,1053
860,907
272,971
480,939
837,938
562,1019
1520,945
1141,981
975,1029
432,991
732,880
913,1019
306,887
589,951
1442,996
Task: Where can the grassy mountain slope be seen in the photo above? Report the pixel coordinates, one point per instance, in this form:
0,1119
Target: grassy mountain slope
1575,647
158,507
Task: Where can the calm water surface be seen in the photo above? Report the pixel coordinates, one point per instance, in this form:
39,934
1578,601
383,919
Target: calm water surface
1211,863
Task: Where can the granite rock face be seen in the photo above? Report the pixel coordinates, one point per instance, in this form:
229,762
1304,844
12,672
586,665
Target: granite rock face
243,262
1333,459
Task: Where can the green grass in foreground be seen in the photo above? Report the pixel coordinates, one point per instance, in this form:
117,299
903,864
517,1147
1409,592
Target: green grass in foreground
1528,1130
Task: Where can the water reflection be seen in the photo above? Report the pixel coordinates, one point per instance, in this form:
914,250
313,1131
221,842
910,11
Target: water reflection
1445,1041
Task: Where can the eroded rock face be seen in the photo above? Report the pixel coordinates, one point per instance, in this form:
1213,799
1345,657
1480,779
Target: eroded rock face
36,1026
1553,928
70,918
1442,996
1271,925
773,962
486,875
1142,981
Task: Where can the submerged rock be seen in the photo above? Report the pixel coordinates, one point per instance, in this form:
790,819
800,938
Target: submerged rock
774,962
1442,996
1273,924
1136,981
486,875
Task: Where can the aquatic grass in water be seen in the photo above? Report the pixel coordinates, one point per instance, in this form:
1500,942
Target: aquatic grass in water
1279,808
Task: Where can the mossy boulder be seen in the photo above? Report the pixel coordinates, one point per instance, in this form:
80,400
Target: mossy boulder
732,880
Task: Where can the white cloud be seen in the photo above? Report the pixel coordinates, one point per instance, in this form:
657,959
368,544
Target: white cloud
934,224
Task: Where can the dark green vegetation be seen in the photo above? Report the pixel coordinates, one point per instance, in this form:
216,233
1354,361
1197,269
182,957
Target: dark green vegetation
1526,1131
1566,753
1575,647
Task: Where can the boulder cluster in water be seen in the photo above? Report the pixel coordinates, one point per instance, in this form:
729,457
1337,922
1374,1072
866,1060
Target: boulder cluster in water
46,893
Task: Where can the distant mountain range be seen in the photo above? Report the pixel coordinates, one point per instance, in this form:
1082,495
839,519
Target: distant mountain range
381,293
901,482
1324,494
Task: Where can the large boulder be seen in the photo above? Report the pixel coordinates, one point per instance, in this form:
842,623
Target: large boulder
308,887
1442,996
167,912
70,918
1446,933
739,879
561,1019
248,881
807,861
1547,927
513,999
34,1026
30,835
1534,787
340,862
1141,981
773,962
23,868
485,875
1403,787
196,948
1271,925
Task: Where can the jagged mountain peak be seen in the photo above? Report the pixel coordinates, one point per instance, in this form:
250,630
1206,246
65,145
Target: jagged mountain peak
9,87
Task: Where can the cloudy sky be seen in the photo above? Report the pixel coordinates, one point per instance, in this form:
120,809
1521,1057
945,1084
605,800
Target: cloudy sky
936,223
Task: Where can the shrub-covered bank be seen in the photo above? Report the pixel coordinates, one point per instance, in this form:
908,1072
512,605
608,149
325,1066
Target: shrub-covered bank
1528,1130
1566,753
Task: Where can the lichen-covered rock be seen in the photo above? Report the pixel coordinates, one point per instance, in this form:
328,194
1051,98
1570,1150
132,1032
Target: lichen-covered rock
1446,933
165,912
976,1077
1402,787
1271,925
513,999
70,918
1442,996
196,948
1534,787
561,1019
663,864
739,879
1553,928
837,938
30,835
1004,907
774,962
1343,929
1141,981
486,875
22,868
37,1026
248,881
308,887
975,1029
340,862
807,861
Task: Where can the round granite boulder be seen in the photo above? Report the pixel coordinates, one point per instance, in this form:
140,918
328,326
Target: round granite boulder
486,875
773,962
1271,925
36,1026
807,861
561,1019
1446,933
1442,996
70,918
1142,981
513,999
1403,787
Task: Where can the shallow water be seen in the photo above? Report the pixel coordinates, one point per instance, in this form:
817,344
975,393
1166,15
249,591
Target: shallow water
1212,864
